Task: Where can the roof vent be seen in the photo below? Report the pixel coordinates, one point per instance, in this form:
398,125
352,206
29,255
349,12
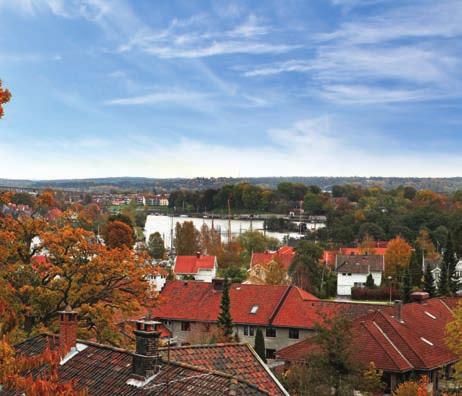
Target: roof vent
429,314
254,309
426,341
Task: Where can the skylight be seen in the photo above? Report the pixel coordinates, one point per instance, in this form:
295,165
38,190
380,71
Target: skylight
429,314
254,309
426,341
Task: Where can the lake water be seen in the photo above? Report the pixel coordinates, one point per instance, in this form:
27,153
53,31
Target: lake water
165,224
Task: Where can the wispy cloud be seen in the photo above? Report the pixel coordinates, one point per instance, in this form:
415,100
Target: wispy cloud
192,38
407,49
177,96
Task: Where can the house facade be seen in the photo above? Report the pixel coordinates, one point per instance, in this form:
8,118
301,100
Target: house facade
353,270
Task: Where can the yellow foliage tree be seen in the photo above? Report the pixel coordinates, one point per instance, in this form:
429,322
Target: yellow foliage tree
397,256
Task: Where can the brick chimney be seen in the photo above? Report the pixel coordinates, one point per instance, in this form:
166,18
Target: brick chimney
67,330
146,358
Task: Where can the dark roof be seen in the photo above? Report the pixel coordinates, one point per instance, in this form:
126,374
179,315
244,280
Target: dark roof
104,370
360,263
238,359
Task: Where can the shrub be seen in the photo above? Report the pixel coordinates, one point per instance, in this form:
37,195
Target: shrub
376,294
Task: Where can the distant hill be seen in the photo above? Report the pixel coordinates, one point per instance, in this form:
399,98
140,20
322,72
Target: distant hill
152,184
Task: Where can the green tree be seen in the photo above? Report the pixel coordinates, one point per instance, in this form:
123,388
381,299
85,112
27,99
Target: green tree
255,242
187,239
370,281
260,344
415,268
429,282
306,270
443,282
156,247
225,322
407,286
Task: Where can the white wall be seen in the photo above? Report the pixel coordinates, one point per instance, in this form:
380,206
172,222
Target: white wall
345,282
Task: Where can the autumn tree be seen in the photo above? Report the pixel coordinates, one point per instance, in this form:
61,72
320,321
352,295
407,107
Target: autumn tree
426,245
5,97
156,247
14,377
413,388
276,274
397,257
187,239
47,266
118,234
454,338
367,245
210,241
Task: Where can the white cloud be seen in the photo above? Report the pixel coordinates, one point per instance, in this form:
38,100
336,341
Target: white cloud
308,147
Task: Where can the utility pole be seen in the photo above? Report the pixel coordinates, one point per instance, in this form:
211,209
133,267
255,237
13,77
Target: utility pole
229,219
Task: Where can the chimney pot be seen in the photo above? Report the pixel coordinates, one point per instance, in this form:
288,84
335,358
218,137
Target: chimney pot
399,311
198,254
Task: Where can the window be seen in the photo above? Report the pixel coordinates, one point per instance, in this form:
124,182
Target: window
359,284
254,309
249,331
293,333
270,332
271,353
185,326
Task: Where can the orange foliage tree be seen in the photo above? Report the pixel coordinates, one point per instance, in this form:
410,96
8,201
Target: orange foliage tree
45,266
5,97
117,234
412,388
397,257
36,375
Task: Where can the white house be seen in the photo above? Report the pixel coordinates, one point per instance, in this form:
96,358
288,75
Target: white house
201,268
352,271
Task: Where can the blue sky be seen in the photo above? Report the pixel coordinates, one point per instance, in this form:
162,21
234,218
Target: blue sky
231,88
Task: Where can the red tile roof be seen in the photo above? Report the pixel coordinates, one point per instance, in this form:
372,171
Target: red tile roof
417,342
192,264
199,301
238,359
284,255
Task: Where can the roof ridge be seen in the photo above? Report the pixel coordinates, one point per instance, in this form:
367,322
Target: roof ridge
196,346
279,304
390,342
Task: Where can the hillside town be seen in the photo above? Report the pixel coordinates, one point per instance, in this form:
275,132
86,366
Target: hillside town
240,314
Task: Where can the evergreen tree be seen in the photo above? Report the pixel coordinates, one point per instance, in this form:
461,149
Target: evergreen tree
260,344
225,322
429,282
451,260
370,281
407,286
415,268
443,283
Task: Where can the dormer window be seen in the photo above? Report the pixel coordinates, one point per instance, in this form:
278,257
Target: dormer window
254,309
